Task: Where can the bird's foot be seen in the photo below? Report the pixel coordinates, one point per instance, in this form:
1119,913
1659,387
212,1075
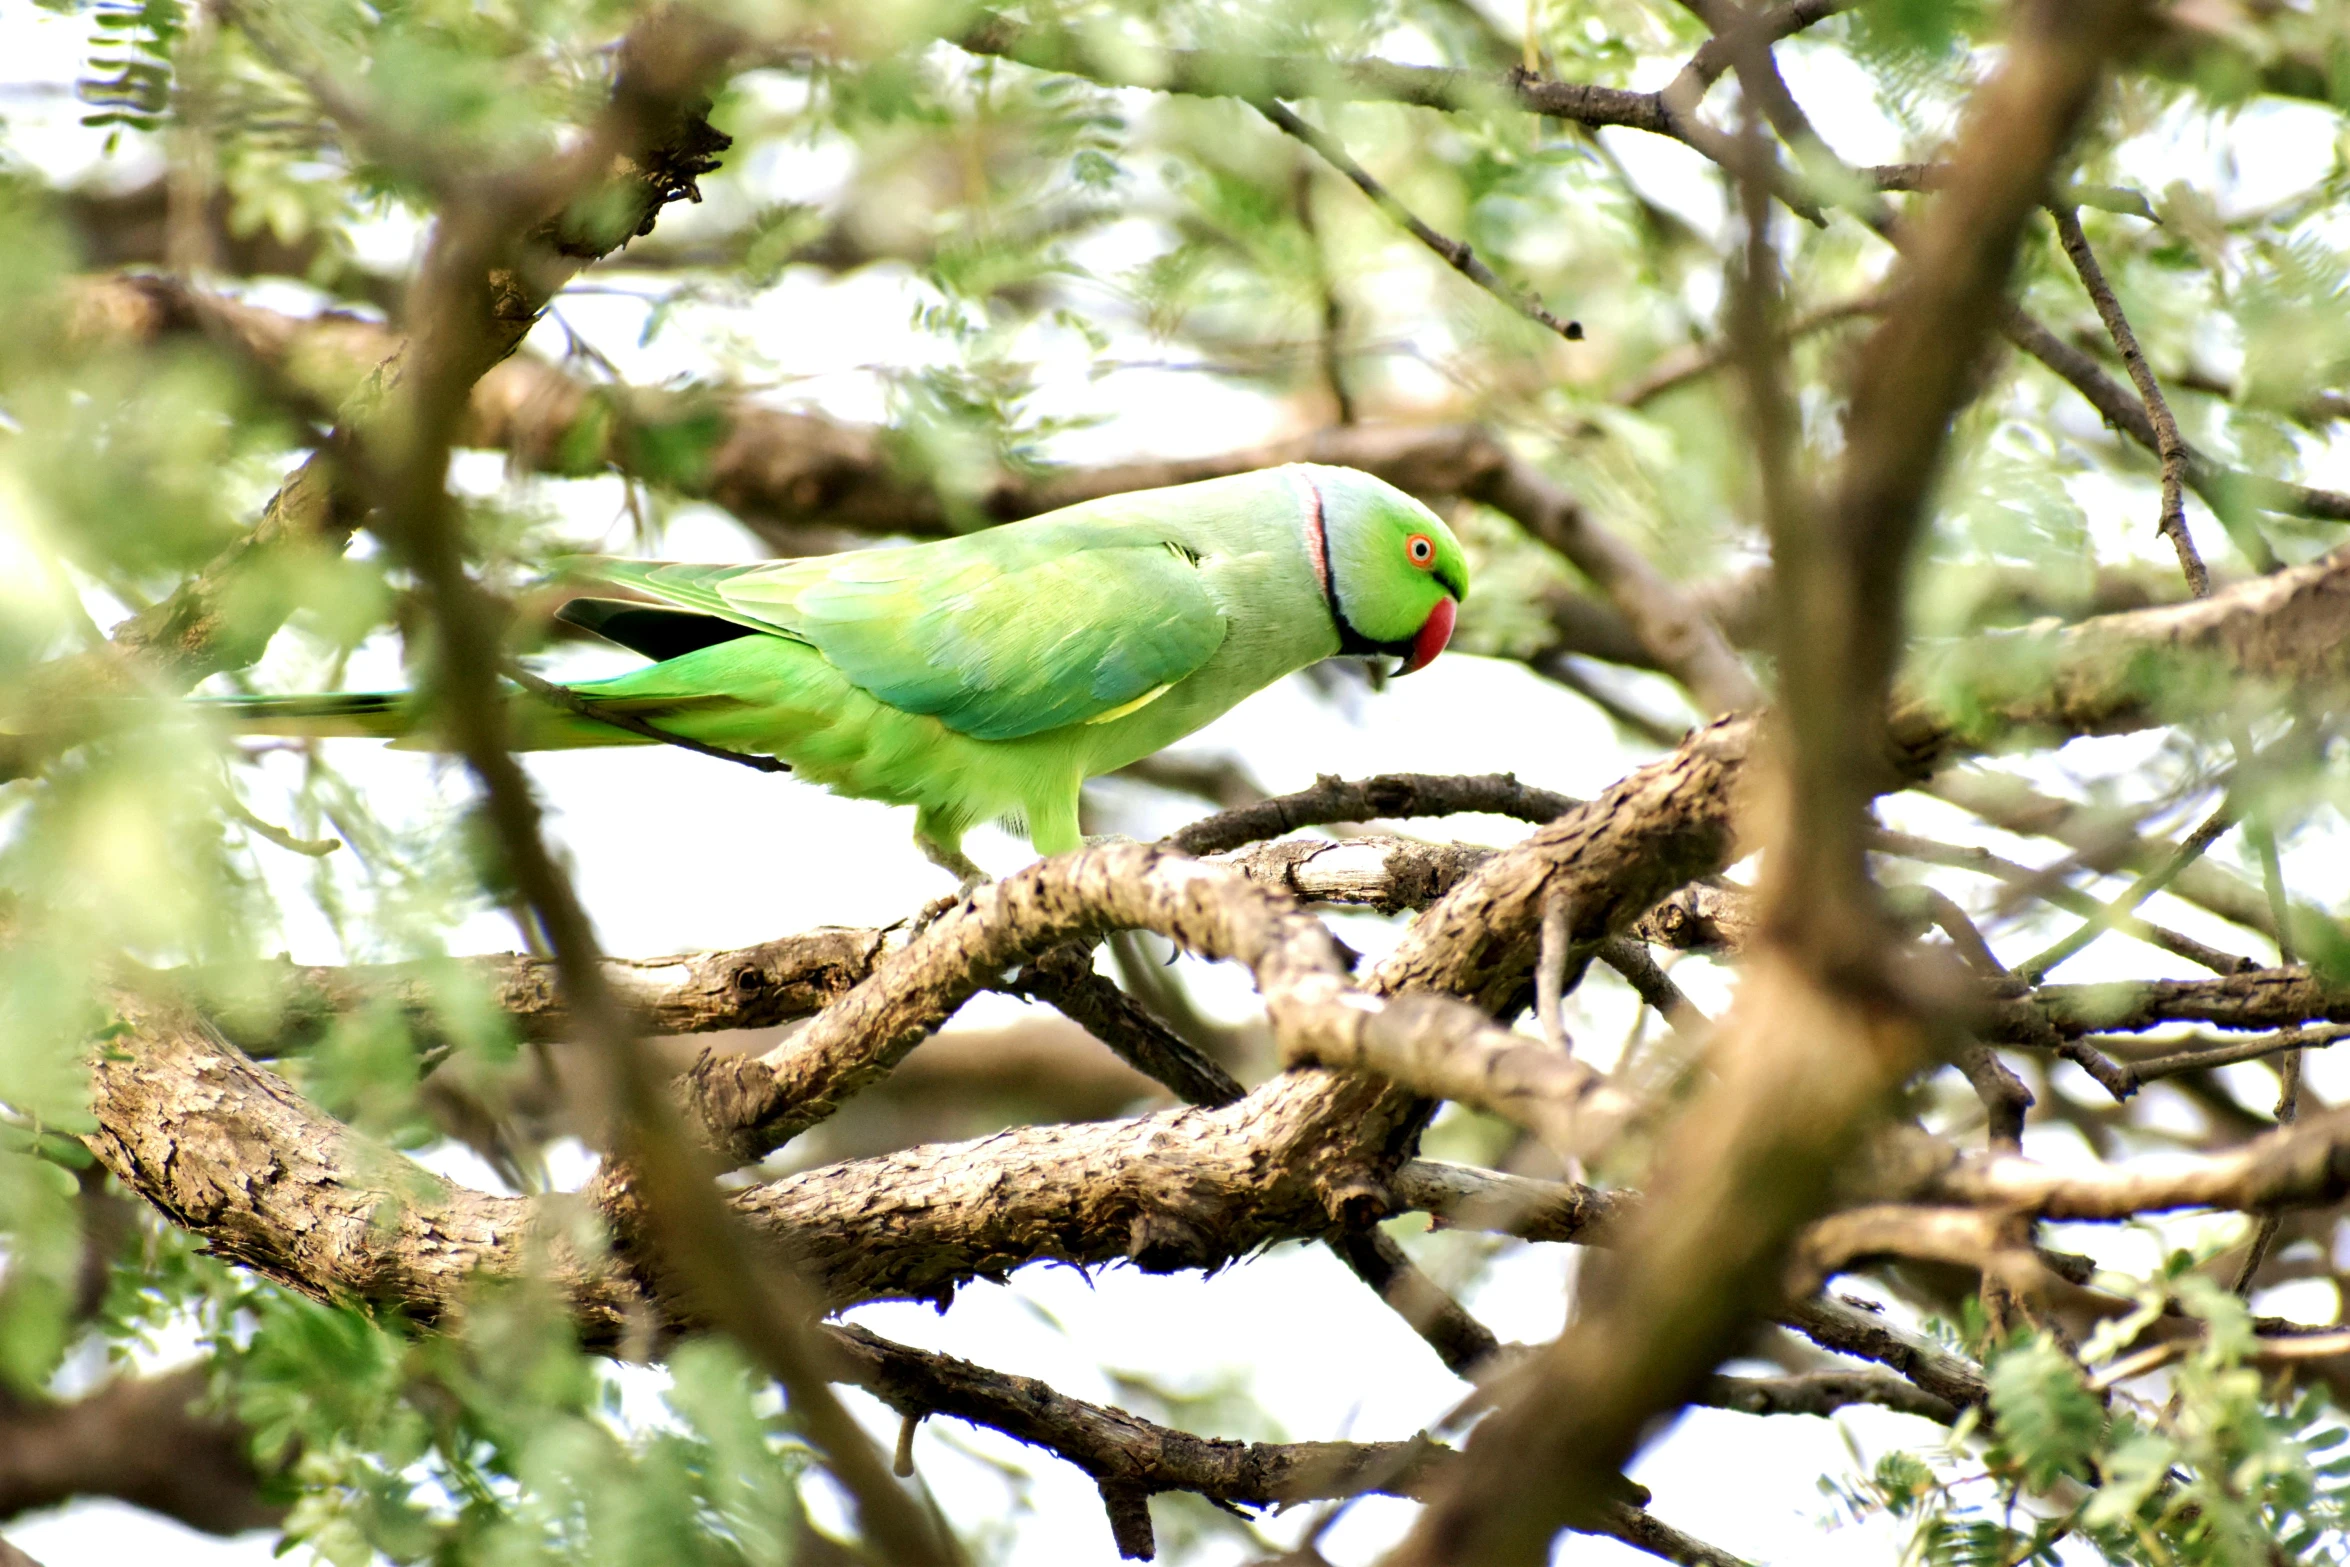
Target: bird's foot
933,910
951,859
969,878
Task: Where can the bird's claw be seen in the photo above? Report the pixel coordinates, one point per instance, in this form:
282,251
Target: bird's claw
934,910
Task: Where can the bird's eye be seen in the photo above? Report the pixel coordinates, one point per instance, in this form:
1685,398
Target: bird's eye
1421,548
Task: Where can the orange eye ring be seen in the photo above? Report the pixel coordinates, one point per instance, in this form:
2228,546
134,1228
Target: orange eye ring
1420,550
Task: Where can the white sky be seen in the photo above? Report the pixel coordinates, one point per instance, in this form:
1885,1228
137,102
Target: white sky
674,853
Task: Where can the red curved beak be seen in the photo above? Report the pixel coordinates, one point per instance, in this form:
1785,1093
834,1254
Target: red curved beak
1434,632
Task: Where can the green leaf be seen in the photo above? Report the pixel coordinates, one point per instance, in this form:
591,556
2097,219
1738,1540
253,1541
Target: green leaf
2049,1422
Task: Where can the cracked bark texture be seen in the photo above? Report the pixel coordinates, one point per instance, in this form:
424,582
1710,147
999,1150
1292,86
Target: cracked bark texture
747,1107
227,1150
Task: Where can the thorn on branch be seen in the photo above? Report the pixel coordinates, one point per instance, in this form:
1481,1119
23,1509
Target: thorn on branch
2213,1052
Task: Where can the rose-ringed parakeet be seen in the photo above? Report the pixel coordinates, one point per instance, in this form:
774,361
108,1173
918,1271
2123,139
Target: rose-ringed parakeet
990,675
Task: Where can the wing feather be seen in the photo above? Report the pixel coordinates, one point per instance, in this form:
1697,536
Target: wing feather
998,635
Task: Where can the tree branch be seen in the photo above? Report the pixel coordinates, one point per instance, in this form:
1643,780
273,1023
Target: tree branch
1455,253
2306,1164
1386,796
747,1107
665,1210
148,1441
1822,1031
2168,444
222,617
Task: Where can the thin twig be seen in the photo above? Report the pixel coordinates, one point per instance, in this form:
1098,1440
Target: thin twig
1459,1339
2229,1052
1334,799
1701,359
2172,523
1456,253
2043,883
1953,921
2036,967
316,848
1550,971
1628,956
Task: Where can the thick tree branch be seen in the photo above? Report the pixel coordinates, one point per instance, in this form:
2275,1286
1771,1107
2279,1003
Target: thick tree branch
147,1441
747,1107
1822,1031
2306,1164
793,977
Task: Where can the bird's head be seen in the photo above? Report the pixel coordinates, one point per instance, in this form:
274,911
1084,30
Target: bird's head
1391,571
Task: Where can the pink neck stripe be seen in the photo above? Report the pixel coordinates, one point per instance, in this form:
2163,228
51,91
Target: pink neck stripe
1317,531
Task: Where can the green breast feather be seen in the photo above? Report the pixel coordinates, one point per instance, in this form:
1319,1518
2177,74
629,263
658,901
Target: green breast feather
998,636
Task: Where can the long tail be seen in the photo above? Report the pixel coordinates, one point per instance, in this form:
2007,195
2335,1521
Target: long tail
393,716
379,715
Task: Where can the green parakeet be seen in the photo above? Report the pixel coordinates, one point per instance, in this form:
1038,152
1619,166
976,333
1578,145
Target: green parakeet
990,675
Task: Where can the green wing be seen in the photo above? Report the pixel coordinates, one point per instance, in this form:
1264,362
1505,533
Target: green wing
998,635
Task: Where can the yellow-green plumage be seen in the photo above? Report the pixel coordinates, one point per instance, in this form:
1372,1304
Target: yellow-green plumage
990,675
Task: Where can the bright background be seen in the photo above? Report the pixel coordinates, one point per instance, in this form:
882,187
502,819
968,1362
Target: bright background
675,853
